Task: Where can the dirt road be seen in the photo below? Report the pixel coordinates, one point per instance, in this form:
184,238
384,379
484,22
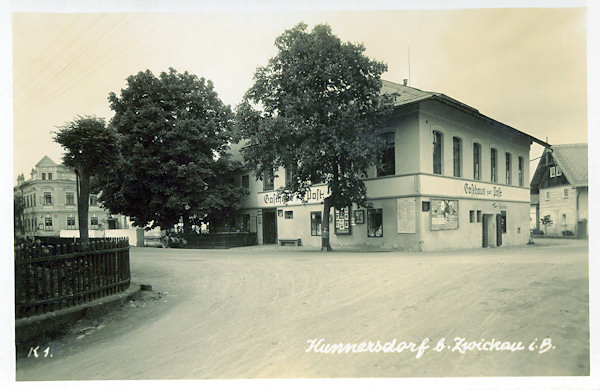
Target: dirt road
250,313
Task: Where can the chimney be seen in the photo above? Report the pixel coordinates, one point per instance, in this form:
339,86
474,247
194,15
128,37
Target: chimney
405,82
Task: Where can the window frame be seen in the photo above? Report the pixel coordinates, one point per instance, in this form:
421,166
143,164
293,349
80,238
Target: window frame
387,163
315,231
476,161
69,226
508,164
70,195
48,226
438,152
457,156
268,180
92,224
521,171
370,213
493,165
47,198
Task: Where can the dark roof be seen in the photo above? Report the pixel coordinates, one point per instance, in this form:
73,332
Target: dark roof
572,160
408,95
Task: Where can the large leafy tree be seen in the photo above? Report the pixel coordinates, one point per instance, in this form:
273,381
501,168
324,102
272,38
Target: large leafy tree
90,148
320,106
174,132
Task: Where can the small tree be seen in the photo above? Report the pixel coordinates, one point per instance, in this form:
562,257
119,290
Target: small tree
321,107
90,148
546,221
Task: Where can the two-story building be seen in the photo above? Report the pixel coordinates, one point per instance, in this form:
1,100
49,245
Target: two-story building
559,189
451,178
50,202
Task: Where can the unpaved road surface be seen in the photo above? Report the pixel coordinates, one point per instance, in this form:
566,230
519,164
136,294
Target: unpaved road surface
249,313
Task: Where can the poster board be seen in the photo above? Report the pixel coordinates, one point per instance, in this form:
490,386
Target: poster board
406,214
342,221
444,214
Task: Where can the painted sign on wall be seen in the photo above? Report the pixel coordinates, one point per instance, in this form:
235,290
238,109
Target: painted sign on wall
406,213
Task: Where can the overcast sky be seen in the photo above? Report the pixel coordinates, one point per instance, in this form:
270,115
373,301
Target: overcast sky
523,67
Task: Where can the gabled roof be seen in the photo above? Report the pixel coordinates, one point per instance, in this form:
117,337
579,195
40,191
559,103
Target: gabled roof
408,95
46,162
572,160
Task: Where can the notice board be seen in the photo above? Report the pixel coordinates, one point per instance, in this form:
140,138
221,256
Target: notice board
406,213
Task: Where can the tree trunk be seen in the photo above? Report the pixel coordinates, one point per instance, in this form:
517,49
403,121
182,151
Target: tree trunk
83,206
325,247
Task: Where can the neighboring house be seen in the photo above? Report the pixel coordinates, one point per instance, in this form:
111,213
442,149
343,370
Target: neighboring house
560,186
451,178
50,202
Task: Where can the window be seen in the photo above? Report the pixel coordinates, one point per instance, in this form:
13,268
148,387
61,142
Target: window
521,171
289,215
27,201
47,198
43,176
494,166
558,171
478,215
291,173
566,193
547,195
71,223
457,156
268,180
471,216
48,224
388,158
93,200
315,223
374,223
552,171
508,169
246,221
70,199
94,223
476,161
49,176
437,152
246,181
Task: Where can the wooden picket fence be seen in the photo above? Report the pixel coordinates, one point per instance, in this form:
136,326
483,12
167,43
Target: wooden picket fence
51,277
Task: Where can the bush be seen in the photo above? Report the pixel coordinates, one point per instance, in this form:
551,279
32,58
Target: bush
537,232
567,233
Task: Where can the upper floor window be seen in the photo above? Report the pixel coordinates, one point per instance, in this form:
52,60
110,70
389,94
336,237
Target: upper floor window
93,200
457,156
476,161
437,152
558,171
49,176
43,175
94,222
246,181
552,171
566,193
508,168
291,174
521,171
494,166
268,179
70,199
388,157
71,223
47,198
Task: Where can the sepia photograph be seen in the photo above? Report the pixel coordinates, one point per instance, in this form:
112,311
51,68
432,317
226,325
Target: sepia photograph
300,191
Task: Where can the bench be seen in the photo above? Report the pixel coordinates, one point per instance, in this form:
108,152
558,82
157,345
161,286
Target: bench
290,241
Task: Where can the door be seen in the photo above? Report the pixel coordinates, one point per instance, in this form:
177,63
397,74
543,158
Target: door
269,218
484,228
499,225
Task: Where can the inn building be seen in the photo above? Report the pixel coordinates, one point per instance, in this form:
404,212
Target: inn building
451,178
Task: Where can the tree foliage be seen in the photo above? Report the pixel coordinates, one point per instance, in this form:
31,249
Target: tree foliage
174,132
90,147
320,106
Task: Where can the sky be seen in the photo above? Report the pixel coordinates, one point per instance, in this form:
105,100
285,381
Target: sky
523,67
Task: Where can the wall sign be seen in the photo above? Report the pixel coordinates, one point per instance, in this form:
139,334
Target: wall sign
359,217
342,221
444,214
406,214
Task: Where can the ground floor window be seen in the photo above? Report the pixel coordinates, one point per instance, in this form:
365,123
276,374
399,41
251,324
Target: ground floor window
70,222
48,224
289,215
375,223
478,215
315,223
471,216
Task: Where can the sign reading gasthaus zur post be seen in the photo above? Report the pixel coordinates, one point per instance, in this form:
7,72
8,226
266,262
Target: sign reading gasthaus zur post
444,214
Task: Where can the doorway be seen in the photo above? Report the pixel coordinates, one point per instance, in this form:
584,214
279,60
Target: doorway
269,219
487,226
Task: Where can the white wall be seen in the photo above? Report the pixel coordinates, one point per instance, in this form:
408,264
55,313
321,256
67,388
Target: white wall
135,236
